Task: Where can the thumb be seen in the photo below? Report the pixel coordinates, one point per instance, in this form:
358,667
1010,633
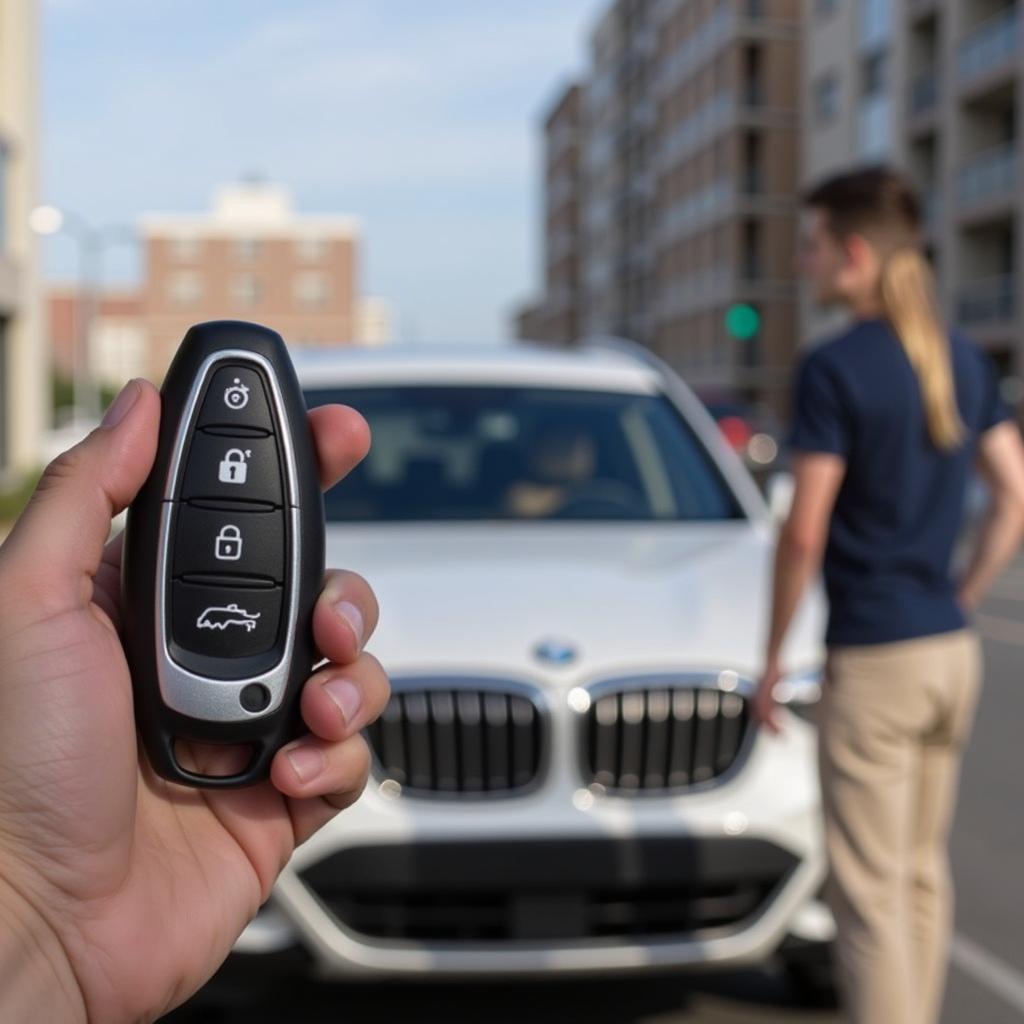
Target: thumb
55,547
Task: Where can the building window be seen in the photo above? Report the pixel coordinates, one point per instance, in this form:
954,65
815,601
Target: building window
874,74
875,16
753,183
876,127
185,288
245,289
247,249
185,250
753,77
310,290
826,97
751,254
311,249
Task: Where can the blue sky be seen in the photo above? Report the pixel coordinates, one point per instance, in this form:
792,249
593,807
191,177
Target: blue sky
420,117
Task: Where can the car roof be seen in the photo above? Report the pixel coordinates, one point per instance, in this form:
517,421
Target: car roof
520,363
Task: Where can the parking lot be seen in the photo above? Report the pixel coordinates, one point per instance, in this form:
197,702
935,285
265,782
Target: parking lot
986,978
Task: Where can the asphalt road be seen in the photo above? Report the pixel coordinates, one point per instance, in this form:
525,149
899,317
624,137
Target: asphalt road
986,978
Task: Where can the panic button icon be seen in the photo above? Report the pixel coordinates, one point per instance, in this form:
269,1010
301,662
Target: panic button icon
233,467
236,396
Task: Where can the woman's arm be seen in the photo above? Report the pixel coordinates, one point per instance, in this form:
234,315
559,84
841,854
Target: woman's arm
1001,462
798,555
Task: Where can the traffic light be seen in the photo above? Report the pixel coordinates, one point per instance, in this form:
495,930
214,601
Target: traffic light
742,321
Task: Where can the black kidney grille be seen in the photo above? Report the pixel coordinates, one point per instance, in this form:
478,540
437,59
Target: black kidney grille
663,738
458,742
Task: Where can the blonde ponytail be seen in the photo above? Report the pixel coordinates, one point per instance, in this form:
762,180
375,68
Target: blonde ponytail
908,295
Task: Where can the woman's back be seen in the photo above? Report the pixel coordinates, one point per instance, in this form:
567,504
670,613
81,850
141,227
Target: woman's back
900,506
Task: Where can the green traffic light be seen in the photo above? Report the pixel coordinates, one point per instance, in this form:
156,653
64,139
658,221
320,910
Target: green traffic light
742,321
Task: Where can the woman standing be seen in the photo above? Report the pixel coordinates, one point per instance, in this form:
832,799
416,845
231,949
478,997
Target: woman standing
889,419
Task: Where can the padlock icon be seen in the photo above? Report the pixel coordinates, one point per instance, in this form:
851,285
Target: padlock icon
233,467
228,544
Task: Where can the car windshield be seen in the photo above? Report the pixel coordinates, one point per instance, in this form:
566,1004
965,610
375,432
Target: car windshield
524,453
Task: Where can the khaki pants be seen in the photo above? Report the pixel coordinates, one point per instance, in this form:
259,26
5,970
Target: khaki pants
894,719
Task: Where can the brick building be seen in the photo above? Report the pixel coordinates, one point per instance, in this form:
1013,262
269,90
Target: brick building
250,258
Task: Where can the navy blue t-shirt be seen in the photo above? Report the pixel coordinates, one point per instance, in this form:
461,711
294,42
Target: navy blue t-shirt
899,508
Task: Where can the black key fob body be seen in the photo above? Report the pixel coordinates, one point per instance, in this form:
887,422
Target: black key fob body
223,555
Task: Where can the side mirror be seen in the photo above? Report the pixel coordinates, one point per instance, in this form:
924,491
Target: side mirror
779,494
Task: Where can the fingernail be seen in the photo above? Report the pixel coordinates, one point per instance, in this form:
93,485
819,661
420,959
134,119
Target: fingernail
118,408
307,762
353,616
346,695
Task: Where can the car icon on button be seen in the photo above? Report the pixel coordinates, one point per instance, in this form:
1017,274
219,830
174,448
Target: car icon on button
229,615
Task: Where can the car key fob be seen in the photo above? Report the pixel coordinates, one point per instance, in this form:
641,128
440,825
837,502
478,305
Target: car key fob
224,556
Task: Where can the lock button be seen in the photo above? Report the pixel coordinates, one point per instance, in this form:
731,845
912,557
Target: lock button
216,542
227,545
232,468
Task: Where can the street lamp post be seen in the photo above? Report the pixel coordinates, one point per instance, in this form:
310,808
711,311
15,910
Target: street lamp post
50,220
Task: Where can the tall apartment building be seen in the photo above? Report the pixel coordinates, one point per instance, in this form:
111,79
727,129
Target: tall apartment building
618,187
933,86
251,258
685,193
727,166
562,207
23,359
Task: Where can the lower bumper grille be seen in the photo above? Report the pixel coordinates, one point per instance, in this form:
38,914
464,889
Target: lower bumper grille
550,890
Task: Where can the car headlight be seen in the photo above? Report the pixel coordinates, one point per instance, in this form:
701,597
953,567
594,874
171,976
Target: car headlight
800,692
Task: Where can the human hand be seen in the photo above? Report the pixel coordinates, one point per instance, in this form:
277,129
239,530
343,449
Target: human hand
124,892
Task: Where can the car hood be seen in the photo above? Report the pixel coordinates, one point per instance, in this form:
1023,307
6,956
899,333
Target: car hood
623,597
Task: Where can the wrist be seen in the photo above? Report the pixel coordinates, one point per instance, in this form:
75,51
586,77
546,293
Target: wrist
37,981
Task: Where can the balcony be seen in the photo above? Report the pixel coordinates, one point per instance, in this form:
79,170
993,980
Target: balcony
988,302
990,178
699,48
990,48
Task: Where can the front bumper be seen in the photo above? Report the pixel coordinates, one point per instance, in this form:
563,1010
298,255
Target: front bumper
560,880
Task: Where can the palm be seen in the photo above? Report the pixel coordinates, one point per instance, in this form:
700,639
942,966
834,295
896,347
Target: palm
139,861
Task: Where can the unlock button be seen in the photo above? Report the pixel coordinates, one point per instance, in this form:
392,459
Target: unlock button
236,468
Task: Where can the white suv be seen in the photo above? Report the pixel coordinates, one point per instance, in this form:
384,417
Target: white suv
573,572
